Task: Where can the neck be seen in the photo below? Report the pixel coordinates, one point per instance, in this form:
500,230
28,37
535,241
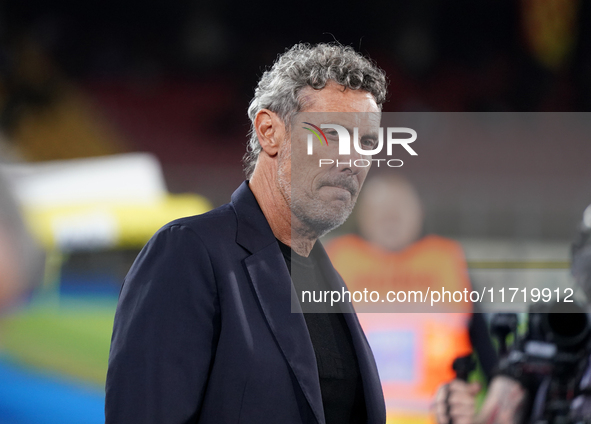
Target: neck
302,238
276,208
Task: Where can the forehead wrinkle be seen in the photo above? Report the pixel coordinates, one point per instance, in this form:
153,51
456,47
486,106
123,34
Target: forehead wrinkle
306,98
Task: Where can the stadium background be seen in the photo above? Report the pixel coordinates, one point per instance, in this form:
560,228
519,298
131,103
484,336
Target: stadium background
81,81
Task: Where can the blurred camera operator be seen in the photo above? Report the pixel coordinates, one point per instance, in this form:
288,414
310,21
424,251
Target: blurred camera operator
504,402
507,400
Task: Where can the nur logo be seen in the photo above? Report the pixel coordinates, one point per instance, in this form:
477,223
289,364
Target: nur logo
317,133
370,144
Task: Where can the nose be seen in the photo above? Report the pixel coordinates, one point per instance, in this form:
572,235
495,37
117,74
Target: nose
348,166
354,163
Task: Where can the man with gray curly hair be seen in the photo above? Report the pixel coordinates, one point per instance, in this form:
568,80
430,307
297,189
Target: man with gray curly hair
209,327
280,89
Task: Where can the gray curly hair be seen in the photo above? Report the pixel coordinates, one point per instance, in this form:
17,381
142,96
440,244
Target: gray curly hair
304,65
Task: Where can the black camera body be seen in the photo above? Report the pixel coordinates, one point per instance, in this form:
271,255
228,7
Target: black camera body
550,362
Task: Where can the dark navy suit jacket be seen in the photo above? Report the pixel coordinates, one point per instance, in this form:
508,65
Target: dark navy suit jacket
204,331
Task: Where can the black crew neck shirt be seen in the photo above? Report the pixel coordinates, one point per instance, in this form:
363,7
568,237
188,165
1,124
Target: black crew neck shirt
338,369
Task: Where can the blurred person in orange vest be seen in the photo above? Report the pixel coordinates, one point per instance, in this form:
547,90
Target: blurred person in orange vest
21,260
414,351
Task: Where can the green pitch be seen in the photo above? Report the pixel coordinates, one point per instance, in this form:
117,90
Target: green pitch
71,338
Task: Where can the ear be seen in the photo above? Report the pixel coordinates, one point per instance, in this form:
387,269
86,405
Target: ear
270,131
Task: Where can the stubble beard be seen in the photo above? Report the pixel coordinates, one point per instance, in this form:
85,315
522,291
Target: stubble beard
313,217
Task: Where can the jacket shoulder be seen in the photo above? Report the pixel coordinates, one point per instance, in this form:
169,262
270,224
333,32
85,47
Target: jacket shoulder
219,221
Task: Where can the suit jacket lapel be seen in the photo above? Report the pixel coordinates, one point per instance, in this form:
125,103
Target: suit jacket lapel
374,397
272,284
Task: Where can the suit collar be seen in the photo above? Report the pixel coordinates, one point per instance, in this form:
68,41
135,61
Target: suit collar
374,397
272,285
254,232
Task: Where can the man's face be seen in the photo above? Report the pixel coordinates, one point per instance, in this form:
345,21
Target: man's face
322,197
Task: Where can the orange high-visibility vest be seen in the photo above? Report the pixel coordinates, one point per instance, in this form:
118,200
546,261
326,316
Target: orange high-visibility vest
414,351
